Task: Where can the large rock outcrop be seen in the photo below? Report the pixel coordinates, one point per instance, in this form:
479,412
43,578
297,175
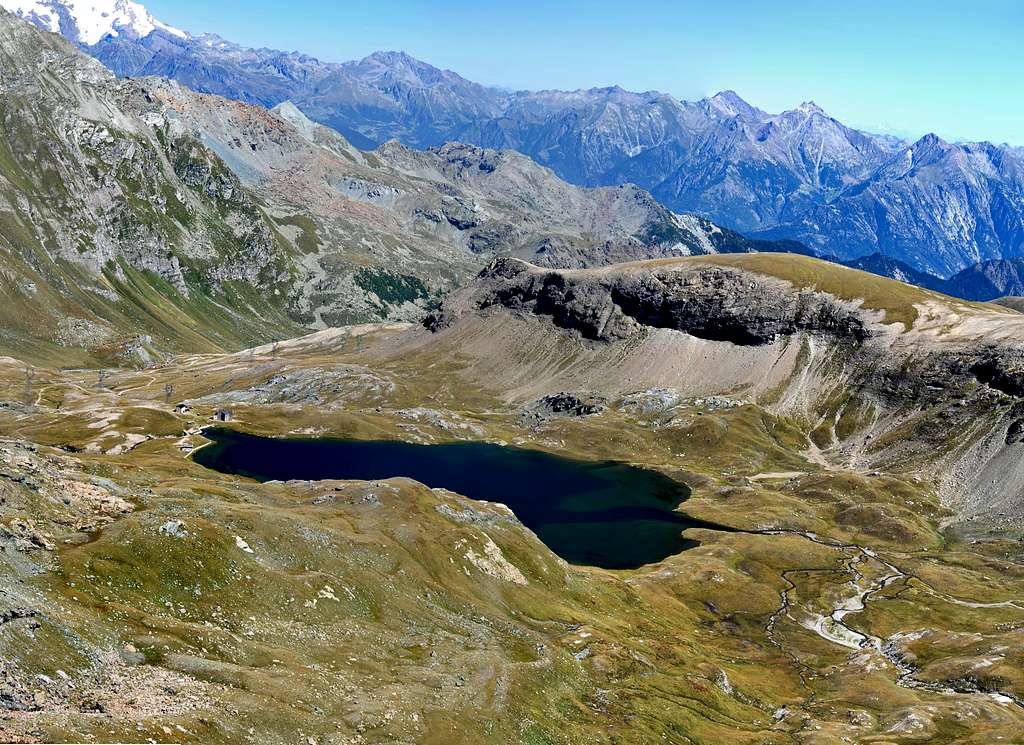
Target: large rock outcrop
718,303
938,394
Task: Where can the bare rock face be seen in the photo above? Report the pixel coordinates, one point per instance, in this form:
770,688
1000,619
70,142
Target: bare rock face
1002,372
942,394
231,210
702,303
717,303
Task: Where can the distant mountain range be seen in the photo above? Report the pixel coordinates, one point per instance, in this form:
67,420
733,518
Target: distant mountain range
800,175
139,217
987,280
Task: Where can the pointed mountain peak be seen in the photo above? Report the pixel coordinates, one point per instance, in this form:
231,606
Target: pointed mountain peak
728,97
931,149
399,64
931,140
403,67
393,59
729,103
809,107
928,150
931,146
88,21
315,133
290,113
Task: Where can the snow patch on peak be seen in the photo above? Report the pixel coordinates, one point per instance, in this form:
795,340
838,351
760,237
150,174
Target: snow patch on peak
701,230
89,21
215,41
40,13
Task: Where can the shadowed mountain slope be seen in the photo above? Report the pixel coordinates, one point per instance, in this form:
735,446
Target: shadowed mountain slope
139,216
800,174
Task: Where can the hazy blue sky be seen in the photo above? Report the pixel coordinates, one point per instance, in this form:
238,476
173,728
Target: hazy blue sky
904,66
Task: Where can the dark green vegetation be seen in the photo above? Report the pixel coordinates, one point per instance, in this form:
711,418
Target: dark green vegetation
391,289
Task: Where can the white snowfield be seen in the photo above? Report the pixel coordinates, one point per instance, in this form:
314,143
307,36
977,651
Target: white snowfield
92,19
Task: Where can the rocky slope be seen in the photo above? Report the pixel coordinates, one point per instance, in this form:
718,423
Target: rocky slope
989,280
885,375
935,205
799,175
117,237
860,438
142,216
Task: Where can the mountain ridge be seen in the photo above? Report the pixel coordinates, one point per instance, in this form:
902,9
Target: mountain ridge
800,174
123,201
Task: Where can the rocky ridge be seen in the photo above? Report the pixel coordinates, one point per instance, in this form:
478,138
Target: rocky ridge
242,223
615,305
799,175
939,391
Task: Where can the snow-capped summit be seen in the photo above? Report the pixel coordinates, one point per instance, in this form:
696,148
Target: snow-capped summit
89,21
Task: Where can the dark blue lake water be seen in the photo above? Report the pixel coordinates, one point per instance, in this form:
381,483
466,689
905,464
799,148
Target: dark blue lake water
604,514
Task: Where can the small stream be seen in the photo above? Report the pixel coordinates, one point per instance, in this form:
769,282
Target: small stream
603,514
834,628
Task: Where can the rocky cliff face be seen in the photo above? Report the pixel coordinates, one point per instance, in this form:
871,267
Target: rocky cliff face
941,393
701,301
104,213
799,175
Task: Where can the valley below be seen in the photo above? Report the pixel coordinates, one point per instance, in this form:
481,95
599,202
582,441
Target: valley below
360,404
844,568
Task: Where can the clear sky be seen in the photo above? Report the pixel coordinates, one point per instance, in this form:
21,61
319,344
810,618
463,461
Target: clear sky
905,66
